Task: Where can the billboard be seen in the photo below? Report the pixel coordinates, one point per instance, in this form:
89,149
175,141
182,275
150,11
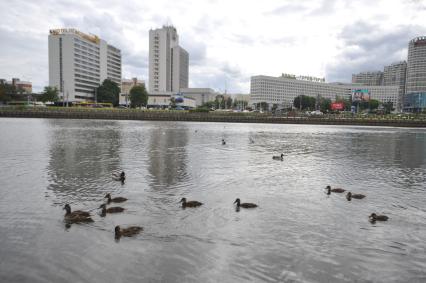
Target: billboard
337,106
360,95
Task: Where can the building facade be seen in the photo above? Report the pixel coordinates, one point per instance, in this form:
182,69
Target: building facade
79,63
284,89
126,86
22,87
168,62
200,95
395,75
415,87
368,78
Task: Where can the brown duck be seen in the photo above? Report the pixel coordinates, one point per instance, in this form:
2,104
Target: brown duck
350,196
127,232
374,217
117,199
115,209
191,203
244,204
336,190
76,216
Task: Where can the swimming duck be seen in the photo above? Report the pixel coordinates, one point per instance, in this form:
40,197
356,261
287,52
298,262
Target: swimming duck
278,157
337,190
251,140
119,177
191,203
127,232
115,209
244,204
350,196
117,199
76,216
374,217
223,142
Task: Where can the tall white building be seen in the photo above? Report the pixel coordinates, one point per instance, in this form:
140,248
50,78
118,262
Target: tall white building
79,63
168,62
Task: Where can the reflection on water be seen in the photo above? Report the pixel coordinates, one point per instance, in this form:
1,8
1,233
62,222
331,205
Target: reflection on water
297,234
167,155
80,155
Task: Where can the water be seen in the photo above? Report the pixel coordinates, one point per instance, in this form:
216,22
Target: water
297,234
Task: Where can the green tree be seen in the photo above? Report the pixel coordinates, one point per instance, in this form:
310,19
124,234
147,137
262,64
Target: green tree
109,91
138,96
373,104
325,104
49,94
4,93
388,107
229,103
306,102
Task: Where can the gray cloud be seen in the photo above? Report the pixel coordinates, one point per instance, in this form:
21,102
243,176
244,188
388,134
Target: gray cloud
367,47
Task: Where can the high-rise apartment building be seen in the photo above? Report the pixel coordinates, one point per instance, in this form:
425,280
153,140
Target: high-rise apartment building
368,78
168,62
394,75
415,86
79,63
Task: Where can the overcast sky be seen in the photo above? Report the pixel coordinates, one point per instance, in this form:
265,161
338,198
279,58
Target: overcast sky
228,41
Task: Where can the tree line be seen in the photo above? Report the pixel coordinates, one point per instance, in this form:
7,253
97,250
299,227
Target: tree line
108,91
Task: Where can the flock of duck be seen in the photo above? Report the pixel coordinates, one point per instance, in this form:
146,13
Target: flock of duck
349,196
79,216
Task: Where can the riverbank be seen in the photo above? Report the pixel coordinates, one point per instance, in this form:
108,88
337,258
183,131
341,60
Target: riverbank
228,117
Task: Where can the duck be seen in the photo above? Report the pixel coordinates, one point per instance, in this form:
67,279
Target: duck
115,209
374,217
350,196
117,199
251,140
223,142
127,232
119,177
278,157
191,203
244,204
76,216
336,190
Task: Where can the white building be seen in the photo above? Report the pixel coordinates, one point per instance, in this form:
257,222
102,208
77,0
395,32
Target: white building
201,95
79,63
284,89
163,101
168,62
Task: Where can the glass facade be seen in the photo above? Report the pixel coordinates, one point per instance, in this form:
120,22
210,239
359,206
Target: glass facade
415,102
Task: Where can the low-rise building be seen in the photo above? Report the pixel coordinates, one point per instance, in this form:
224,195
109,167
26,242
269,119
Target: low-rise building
164,101
201,95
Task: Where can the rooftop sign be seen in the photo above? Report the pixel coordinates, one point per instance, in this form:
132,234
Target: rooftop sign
91,38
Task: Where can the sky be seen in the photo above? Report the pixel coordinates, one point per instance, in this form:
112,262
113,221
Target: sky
228,40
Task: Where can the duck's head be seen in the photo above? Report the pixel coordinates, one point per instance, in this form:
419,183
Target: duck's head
237,201
108,196
67,208
122,178
349,196
328,188
117,231
122,174
373,216
282,155
183,200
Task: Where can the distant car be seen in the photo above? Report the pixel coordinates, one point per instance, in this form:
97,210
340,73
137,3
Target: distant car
317,112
